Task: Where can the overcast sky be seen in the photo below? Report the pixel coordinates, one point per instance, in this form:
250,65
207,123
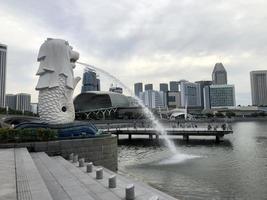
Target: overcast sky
151,41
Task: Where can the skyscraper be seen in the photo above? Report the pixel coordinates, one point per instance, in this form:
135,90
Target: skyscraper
152,99
23,102
148,86
219,75
90,81
138,87
219,96
163,87
11,101
258,81
202,85
174,86
3,52
190,94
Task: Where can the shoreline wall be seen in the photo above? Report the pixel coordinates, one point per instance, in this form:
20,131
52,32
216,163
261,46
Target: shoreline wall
101,151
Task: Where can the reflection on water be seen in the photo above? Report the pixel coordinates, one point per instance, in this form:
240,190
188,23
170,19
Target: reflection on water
233,169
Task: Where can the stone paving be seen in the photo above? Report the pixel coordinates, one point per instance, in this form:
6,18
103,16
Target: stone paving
7,175
36,176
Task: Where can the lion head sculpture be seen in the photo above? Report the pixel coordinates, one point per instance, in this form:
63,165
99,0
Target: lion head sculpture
56,57
56,81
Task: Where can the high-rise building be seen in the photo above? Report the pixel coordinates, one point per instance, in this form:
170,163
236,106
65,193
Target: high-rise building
152,99
90,81
148,86
174,86
219,75
138,87
258,81
202,85
190,94
173,99
163,87
219,96
23,102
3,53
11,101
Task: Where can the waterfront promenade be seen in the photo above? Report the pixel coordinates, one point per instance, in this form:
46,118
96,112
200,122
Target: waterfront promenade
36,176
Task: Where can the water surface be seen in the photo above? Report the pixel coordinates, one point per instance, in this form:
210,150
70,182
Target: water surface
233,169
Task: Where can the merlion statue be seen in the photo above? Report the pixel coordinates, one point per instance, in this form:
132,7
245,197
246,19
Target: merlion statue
56,81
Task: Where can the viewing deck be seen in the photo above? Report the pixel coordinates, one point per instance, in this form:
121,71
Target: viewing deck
184,132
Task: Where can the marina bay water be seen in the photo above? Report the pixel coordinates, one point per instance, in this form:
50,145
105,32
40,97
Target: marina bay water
236,168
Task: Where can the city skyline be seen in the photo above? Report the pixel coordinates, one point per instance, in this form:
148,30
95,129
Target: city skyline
145,45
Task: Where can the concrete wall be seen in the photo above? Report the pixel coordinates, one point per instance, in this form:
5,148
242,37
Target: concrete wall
101,151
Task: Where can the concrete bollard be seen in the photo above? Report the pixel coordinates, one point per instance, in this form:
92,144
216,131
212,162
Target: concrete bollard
81,162
99,173
129,192
89,167
112,183
71,157
154,198
75,158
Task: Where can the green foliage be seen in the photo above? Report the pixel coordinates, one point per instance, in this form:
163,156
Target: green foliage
26,135
209,115
219,114
230,114
16,112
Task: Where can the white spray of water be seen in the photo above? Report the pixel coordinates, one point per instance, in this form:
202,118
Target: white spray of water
156,124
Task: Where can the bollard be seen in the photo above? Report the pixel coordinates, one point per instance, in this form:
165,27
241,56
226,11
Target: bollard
129,192
89,167
71,157
154,198
75,158
112,181
99,173
81,162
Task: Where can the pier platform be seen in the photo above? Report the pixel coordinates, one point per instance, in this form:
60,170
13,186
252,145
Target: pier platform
219,133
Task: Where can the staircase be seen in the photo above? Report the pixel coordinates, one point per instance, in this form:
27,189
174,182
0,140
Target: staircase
36,176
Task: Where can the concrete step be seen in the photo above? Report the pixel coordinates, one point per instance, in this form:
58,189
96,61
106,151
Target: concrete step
61,183
7,175
30,184
98,187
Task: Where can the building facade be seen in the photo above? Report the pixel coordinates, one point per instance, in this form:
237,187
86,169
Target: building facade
138,87
173,100
163,87
11,101
190,94
219,96
174,86
258,82
219,75
148,86
116,89
90,81
3,56
203,84
23,102
152,99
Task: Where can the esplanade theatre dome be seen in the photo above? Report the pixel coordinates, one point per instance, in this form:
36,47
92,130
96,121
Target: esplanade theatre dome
94,100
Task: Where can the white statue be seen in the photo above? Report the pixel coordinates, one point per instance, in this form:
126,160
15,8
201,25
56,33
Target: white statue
56,81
